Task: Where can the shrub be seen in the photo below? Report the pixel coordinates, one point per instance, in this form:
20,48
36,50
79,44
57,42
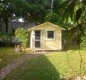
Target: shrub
5,39
23,36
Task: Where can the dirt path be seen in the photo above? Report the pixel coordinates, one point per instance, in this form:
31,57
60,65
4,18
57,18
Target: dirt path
15,64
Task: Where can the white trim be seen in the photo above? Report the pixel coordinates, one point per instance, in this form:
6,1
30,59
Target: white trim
47,35
32,40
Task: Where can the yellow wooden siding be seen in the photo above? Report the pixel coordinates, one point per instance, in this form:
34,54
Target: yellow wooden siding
53,44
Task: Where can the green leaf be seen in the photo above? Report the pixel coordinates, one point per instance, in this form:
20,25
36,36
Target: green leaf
69,11
72,10
66,14
78,14
62,6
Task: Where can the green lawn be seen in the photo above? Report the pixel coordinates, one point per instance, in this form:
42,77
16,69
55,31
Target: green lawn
51,66
7,55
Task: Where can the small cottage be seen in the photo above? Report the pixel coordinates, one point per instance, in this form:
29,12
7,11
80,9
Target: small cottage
46,36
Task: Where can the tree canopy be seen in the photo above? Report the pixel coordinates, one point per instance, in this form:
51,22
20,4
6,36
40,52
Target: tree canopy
30,10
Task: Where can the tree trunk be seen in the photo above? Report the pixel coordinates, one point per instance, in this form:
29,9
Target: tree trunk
6,22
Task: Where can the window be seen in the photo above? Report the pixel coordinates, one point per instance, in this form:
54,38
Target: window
50,34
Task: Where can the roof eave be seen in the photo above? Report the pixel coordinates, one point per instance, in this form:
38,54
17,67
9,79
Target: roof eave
44,24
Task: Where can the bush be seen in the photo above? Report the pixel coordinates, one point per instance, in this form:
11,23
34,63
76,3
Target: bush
23,36
5,39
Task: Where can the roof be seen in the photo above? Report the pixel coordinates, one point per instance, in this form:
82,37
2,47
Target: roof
46,24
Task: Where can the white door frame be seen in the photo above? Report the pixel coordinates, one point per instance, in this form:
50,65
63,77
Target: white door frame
38,40
32,39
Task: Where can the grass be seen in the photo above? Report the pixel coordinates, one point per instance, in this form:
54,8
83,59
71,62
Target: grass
7,55
51,66
59,61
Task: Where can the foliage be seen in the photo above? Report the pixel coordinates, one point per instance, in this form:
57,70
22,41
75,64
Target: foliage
51,17
23,36
28,9
6,37
38,9
5,13
10,7
76,11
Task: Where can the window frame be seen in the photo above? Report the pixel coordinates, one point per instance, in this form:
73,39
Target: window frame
53,35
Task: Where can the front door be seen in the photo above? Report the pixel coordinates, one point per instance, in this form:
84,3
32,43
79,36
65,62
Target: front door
37,39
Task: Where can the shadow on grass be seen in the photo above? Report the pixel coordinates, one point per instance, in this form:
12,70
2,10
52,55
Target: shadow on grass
37,68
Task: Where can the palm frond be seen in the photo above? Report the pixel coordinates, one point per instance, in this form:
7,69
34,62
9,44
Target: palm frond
69,9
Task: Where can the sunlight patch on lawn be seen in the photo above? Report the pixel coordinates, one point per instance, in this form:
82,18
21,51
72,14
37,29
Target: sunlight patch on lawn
71,68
